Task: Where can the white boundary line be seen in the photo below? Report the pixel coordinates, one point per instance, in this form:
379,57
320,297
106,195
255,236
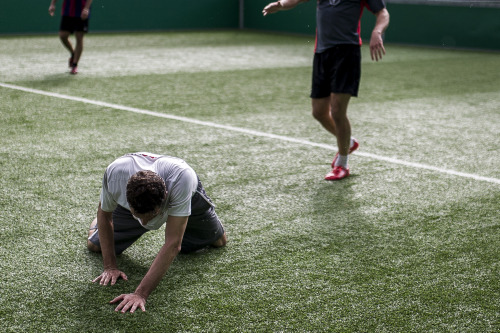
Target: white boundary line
249,131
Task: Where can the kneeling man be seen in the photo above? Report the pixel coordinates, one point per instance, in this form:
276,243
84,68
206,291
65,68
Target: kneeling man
140,192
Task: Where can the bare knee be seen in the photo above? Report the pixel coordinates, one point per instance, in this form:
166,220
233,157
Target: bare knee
338,105
64,35
339,117
92,247
319,115
320,107
221,241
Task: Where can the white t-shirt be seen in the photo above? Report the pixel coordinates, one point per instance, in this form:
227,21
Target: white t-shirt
180,179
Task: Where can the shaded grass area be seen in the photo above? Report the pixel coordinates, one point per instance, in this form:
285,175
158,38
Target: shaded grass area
390,249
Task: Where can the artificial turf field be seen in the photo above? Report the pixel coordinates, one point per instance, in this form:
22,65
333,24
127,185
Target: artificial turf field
409,243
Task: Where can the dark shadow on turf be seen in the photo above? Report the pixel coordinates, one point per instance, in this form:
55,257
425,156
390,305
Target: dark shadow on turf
340,219
48,81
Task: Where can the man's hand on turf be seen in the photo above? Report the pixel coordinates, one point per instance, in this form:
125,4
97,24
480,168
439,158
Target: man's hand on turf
129,302
110,276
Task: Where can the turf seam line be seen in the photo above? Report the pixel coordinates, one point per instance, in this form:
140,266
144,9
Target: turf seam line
250,132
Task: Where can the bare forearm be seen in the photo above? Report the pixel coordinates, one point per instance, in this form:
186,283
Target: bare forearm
290,4
277,6
382,21
88,4
106,239
157,270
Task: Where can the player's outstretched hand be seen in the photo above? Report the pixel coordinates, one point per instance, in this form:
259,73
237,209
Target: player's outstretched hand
129,302
110,276
271,8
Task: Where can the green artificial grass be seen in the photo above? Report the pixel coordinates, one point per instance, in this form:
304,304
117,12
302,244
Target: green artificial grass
393,248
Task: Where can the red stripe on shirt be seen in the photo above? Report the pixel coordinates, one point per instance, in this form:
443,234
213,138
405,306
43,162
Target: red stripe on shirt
363,5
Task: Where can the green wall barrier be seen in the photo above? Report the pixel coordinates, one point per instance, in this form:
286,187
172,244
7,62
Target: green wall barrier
419,24
448,26
31,17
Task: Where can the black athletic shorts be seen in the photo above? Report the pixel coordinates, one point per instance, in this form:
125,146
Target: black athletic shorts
203,227
336,70
73,24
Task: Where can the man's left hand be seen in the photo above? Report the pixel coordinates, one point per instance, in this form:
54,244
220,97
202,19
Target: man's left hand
52,10
85,14
129,302
377,46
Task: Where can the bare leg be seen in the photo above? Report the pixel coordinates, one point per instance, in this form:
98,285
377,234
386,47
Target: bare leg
79,46
339,103
321,112
91,246
64,36
331,112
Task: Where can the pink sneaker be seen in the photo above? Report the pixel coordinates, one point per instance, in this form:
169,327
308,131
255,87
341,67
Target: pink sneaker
74,70
337,173
355,146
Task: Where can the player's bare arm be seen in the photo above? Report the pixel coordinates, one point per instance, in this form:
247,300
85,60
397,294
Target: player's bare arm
174,231
111,273
377,49
274,7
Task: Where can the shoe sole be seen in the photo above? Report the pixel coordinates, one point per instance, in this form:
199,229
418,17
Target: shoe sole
332,178
335,179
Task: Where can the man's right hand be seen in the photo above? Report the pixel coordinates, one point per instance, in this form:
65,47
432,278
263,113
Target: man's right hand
52,9
110,275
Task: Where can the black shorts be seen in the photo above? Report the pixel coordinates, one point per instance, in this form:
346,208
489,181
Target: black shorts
73,24
203,227
336,70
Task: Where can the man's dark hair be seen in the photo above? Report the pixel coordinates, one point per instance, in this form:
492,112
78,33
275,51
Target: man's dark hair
145,191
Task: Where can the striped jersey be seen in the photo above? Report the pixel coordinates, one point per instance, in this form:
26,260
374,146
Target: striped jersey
73,8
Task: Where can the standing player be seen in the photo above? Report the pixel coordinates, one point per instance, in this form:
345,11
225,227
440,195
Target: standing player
75,19
337,65
141,192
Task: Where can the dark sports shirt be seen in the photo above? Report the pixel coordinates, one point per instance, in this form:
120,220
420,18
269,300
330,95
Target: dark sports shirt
339,21
73,8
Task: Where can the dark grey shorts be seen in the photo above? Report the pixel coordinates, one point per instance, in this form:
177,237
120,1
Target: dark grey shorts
203,227
336,70
73,24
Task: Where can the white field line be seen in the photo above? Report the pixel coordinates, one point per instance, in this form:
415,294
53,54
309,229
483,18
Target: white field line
250,132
